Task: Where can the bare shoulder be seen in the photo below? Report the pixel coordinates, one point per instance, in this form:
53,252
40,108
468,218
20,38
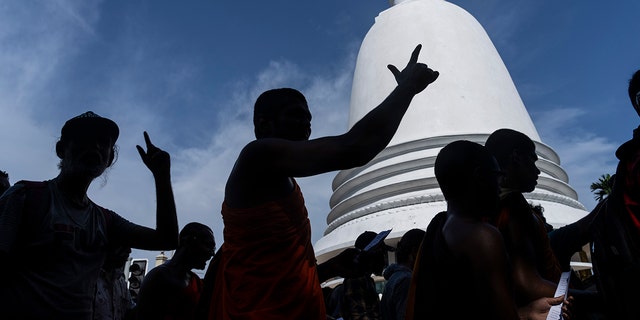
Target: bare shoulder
485,244
160,280
257,177
485,235
158,274
471,238
264,156
254,151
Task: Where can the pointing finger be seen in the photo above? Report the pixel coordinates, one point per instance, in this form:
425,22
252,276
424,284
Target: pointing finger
148,141
141,151
393,70
415,54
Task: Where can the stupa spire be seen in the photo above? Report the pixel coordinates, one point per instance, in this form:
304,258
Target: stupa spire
473,97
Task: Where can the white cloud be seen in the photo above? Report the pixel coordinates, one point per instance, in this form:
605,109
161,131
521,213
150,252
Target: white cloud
31,55
584,155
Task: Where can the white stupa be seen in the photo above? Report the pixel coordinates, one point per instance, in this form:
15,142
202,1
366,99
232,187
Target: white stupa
473,97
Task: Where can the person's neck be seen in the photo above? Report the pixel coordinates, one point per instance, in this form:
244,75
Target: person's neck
462,210
509,184
179,262
74,188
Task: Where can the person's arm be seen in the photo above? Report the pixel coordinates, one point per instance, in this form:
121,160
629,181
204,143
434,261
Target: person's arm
529,284
570,238
491,270
539,309
165,235
356,147
400,295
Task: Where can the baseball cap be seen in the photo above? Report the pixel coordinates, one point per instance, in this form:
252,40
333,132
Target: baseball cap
366,237
89,123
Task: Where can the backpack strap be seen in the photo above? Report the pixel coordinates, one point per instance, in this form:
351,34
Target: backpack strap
30,217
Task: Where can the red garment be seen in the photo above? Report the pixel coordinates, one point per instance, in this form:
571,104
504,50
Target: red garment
630,191
515,209
267,266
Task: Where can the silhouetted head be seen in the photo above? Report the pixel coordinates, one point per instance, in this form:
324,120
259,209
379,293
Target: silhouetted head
634,91
282,113
629,149
198,242
4,182
374,260
408,246
627,170
87,144
516,155
468,175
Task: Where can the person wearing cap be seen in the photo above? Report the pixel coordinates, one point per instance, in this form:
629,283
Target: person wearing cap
54,239
393,303
616,229
266,267
357,297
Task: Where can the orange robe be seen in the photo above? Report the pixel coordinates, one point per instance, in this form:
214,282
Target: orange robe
267,266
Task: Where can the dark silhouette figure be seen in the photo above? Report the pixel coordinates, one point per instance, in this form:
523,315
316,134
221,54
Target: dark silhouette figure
616,229
54,239
172,290
266,267
536,270
348,263
398,275
357,297
4,182
462,270
112,298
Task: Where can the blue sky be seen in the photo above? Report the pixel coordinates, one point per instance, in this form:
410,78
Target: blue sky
188,72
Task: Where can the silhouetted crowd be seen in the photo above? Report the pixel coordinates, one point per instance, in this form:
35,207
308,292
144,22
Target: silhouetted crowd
490,255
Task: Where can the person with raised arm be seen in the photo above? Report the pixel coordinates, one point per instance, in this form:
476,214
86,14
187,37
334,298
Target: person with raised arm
54,239
266,267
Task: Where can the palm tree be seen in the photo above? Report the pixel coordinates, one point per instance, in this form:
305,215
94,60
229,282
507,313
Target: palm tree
602,188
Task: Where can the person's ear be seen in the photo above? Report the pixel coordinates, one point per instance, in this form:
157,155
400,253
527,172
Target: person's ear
60,149
515,158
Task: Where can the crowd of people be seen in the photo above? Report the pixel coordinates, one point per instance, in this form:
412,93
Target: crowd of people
488,256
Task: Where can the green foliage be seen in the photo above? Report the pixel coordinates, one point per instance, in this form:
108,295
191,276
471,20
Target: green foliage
602,188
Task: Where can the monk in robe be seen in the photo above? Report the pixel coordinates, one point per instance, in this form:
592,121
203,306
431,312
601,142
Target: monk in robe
536,270
266,268
462,270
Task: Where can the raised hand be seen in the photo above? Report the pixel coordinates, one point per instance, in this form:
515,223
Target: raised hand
157,160
415,74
